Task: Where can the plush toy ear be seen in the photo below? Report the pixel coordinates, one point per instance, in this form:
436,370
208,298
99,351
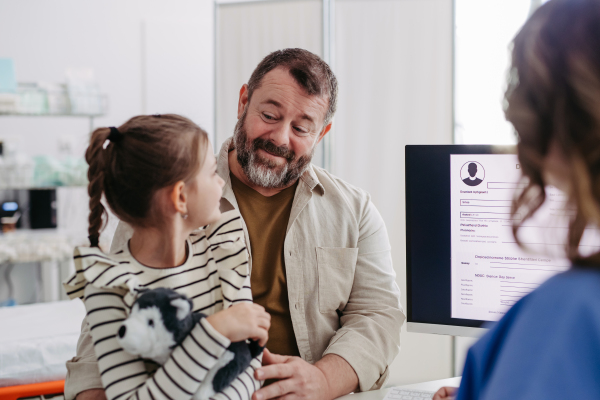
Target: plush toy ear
183,307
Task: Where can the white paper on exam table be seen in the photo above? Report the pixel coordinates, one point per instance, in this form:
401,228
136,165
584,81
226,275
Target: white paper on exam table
398,393
36,341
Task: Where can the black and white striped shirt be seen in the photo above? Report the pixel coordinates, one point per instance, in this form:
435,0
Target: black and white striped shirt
214,276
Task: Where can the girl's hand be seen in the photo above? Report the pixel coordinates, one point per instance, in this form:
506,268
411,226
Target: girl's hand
242,321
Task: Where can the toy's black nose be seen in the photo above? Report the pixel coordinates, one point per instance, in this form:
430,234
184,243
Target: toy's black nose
122,331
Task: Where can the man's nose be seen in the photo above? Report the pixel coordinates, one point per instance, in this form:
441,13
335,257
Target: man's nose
280,135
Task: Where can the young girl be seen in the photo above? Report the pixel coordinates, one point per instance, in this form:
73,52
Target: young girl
158,174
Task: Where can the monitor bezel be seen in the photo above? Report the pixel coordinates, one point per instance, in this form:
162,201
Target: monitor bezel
434,328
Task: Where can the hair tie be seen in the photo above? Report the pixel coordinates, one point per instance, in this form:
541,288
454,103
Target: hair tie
115,135
93,241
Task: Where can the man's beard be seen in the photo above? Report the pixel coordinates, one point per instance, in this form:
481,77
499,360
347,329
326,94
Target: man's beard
264,172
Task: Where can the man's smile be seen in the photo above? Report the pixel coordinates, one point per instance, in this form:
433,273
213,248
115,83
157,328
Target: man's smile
270,155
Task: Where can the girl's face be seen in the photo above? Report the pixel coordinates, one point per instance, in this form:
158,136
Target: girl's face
205,190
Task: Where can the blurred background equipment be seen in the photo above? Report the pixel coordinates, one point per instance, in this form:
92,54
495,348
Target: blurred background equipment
42,208
10,216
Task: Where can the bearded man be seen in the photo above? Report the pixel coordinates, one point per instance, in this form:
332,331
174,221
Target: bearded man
319,250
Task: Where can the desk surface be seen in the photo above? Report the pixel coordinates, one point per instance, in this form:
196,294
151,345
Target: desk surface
431,386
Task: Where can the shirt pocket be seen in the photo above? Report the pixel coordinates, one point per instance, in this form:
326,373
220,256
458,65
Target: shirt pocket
336,266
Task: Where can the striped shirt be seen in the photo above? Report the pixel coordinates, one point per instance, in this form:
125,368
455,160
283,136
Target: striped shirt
214,276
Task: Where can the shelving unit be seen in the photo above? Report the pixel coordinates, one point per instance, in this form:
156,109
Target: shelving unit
42,255
34,100
40,187
89,116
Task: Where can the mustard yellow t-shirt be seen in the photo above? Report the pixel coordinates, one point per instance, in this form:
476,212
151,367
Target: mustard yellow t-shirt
267,219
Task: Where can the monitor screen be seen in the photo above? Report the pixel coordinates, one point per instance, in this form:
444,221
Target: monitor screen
464,266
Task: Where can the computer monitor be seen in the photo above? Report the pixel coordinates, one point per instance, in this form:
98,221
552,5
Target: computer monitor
463,265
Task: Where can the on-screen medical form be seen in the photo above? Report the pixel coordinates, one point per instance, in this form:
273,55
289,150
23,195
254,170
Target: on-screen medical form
490,272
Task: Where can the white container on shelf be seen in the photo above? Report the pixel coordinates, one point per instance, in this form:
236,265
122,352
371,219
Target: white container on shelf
31,99
16,171
24,171
57,97
10,172
84,93
8,103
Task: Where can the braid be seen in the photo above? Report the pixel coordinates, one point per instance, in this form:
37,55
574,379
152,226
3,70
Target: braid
142,155
96,159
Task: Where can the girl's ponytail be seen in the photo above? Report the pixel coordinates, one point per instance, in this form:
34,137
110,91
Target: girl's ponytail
95,156
145,154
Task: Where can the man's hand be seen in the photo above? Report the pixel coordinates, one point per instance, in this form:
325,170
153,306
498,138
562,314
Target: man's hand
445,393
298,379
91,394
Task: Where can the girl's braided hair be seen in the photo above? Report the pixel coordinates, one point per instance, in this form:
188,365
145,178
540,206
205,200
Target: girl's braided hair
149,153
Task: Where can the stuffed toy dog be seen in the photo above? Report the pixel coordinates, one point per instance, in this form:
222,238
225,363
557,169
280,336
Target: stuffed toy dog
160,319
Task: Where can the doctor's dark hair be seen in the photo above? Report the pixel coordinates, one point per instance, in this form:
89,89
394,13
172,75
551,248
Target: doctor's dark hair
145,154
553,96
308,70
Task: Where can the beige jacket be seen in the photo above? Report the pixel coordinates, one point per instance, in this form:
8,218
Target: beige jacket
341,285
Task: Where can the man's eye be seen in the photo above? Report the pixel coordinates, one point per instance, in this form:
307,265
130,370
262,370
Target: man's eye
300,130
270,118
151,322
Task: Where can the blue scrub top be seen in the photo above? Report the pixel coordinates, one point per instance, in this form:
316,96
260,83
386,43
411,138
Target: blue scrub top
547,346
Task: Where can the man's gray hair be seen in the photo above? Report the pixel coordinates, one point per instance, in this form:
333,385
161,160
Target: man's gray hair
309,70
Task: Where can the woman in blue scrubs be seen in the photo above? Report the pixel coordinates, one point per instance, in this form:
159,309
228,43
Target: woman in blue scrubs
547,346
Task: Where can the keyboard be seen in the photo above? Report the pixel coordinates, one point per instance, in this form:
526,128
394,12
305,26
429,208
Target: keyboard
407,394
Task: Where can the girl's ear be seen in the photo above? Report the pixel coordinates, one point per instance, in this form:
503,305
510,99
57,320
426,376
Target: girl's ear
179,197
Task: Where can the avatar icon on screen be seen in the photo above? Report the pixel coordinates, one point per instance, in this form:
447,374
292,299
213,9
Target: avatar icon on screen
472,179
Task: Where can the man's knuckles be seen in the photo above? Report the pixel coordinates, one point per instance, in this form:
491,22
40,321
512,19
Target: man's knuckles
302,382
274,390
295,361
280,389
287,371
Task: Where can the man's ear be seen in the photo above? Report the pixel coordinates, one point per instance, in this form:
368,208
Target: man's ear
243,100
179,197
324,132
